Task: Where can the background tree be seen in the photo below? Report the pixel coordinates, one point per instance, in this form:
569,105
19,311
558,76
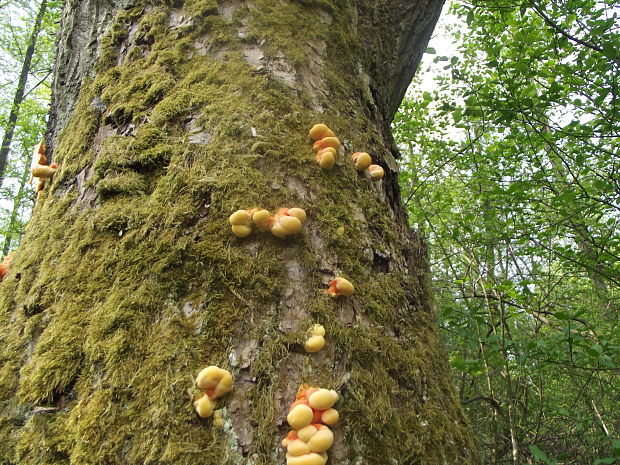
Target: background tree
20,89
166,118
511,172
26,46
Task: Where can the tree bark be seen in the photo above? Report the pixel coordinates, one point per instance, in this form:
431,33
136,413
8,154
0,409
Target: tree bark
166,118
9,130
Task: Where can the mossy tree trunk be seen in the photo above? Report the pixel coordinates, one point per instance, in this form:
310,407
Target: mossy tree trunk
167,117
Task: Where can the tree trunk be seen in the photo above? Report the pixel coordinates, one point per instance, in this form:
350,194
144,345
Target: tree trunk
165,120
9,130
16,221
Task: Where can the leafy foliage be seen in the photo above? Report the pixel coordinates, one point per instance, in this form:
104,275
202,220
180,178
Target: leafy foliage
511,169
16,18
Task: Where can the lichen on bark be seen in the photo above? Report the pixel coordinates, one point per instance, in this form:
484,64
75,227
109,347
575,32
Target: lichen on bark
129,281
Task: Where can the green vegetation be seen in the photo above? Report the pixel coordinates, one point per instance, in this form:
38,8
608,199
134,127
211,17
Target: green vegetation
511,170
111,307
22,109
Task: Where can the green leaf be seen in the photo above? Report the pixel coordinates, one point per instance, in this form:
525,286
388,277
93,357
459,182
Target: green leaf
607,460
538,454
430,51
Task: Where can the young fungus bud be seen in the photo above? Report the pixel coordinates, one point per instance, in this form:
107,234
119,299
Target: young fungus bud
286,226
319,131
307,432
327,142
317,330
38,154
330,416
299,416
298,213
291,436
241,222
361,160
321,440
203,406
326,158
308,459
376,172
323,399
340,286
328,149
314,344
297,447
214,381
288,221
316,341
261,219
44,171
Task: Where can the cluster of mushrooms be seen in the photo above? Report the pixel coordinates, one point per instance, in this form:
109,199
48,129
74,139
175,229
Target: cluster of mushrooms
326,145
310,417
285,222
40,169
214,382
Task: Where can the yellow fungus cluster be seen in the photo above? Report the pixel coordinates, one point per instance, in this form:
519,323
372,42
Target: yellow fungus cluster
326,145
214,382
340,286
316,341
363,161
285,222
39,168
310,439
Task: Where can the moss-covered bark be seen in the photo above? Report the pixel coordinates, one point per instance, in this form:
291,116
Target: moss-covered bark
129,279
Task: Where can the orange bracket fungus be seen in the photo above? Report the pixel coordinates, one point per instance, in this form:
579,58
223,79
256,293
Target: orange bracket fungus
288,221
326,145
326,158
44,171
203,406
361,160
322,399
327,142
241,223
4,266
214,382
340,286
300,415
261,218
39,168
330,416
316,341
308,459
320,131
309,441
38,155
376,172
319,438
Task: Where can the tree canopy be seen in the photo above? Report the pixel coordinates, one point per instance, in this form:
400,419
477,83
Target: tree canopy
511,169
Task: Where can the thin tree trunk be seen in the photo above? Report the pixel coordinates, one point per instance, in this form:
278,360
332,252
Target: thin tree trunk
130,280
17,201
9,130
